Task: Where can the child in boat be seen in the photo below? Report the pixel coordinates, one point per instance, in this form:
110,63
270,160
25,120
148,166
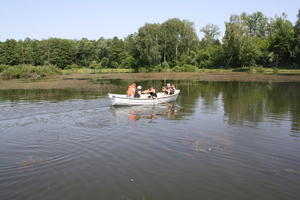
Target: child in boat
172,89
131,89
138,92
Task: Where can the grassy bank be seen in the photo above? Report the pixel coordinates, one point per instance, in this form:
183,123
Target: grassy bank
100,82
19,71
257,70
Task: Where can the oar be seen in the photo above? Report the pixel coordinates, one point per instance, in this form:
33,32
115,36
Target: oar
164,102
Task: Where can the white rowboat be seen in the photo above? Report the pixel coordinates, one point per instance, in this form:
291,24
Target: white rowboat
120,99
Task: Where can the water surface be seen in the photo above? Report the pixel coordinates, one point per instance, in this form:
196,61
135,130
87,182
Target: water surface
223,140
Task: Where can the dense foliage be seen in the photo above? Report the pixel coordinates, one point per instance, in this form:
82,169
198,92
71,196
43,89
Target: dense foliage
250,40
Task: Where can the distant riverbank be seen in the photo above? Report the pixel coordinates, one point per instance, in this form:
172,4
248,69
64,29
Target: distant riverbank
89,81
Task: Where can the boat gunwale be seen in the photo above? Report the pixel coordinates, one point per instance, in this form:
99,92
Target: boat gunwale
161,98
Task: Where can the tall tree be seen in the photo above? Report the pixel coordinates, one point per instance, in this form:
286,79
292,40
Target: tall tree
234,40
63,52
178,37
296,42
86,52
36,52
172,29
281,35
257,24
189,37
12,52
102,48
211,32
45,51
117,52
148,44
26,51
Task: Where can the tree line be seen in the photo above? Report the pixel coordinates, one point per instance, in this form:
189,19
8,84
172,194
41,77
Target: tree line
250,40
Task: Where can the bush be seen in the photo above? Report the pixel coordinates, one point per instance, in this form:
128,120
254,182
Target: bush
260,69
142,70
165,66
3,67
94,65
251,70
176,69
29,71
189,68
157,68
276,70
73,66
241,69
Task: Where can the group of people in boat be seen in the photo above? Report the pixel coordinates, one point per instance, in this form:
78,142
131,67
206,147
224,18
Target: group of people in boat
136,92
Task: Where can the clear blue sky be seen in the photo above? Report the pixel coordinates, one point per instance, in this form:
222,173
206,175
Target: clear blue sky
92,19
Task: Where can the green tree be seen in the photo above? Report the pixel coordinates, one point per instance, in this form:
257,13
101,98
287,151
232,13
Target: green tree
257,24
117,52
132,47
250,52
128,63
2,59
63,52
11,52
171,37
211,32
148,44
234,40
281,36
94,65
104,63
86,52
204,59
188,37
102,48
45,51
296,42
36,53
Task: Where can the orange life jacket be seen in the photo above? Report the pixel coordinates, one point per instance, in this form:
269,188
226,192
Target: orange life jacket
130,90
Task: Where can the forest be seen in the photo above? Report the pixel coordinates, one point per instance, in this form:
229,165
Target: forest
250,40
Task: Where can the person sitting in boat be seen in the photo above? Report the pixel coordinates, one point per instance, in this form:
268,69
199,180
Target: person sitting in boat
167,89
131,89
150,91
138,92
172,89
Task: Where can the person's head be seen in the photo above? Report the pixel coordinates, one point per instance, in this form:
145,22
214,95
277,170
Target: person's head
139,87
173,86
163,88
168,85
133,84
150,87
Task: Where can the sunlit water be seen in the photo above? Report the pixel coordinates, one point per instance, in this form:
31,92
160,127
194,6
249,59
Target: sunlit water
221,141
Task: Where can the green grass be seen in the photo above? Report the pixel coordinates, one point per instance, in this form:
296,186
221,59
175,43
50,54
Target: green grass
29,71
96,71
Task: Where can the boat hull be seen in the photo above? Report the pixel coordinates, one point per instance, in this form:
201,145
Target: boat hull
122,100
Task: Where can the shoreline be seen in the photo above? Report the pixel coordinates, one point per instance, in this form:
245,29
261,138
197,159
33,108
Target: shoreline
83,81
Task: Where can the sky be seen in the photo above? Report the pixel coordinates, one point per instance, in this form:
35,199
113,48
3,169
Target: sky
93,19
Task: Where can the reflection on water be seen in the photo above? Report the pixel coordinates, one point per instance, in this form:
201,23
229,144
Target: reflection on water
137,113
245,103
233,140
30,162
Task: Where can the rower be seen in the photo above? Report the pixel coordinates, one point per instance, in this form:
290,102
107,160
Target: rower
150,91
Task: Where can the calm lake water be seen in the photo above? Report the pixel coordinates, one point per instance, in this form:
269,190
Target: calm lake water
223,140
